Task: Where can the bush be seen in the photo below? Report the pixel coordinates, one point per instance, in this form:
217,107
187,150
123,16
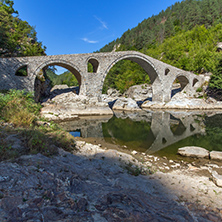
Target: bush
18,107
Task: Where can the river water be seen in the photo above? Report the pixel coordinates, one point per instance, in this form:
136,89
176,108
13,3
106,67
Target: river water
160,133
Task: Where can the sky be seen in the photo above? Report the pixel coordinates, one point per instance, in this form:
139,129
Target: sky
73,27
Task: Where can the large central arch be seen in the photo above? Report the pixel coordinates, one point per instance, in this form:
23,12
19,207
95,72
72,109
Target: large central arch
149,68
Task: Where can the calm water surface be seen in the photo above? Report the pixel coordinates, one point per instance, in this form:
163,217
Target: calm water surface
159,133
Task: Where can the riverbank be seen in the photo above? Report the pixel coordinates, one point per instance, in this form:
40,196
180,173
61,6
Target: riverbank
94,183
64,104
39,181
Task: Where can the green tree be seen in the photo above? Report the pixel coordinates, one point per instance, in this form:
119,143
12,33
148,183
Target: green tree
17,37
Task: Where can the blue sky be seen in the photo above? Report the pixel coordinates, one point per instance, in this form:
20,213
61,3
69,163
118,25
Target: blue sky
72,27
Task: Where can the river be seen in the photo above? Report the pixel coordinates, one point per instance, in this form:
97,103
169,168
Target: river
160,133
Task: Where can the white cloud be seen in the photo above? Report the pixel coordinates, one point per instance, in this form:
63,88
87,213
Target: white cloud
102,22
89,41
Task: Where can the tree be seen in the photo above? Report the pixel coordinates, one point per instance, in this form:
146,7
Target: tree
17,37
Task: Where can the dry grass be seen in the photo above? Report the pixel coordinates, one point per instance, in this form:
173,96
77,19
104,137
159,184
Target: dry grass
18,107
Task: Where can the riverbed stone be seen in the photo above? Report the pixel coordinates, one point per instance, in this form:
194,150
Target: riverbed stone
139,92
216,155
217,178
127,104
69,105
193,151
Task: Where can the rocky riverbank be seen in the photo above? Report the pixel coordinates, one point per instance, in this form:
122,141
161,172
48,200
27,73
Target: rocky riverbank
98,184
63,103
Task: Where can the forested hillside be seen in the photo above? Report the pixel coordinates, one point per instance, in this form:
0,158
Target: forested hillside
17,37
185,35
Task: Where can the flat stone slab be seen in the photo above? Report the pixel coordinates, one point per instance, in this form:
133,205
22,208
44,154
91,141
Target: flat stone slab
216,155
193,151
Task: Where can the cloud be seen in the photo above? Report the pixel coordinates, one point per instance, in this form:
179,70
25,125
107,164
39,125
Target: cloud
89,41
102,22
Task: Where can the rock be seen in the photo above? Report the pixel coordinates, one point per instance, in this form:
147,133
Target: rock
134,152
153,105
219,46
69,106
127,104
193,151
217,178
139,92
216,155
113,92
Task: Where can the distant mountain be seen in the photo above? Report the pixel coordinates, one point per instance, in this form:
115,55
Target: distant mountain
179,17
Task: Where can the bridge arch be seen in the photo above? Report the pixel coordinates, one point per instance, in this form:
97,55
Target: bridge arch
95,64
149,68
65,64
184,84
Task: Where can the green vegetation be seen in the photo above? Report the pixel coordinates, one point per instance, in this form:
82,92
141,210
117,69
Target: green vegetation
66,78
125,74
18,109
185,35
17,37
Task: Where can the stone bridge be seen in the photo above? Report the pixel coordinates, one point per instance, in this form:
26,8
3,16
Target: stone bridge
161,74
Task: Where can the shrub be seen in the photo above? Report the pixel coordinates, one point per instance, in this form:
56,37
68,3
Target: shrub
18,107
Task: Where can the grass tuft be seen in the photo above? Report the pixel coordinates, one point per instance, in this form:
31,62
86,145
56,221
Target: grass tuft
19,109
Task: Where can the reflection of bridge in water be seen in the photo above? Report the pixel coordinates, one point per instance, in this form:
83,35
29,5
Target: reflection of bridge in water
166,128
187,125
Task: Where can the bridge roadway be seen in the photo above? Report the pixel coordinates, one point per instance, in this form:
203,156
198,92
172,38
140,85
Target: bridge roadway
161,74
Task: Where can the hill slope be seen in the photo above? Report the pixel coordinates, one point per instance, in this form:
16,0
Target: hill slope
185,35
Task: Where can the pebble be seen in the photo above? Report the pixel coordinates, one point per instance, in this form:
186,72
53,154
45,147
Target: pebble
134,152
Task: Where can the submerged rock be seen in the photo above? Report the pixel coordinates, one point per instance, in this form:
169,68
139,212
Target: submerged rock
193,151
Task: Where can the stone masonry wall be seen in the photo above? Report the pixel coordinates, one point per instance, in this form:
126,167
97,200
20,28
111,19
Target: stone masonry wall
161,74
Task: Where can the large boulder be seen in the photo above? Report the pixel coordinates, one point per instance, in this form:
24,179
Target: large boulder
139,92
69,105
193,151
127,104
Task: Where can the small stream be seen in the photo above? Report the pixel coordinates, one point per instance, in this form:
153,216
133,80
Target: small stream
160,133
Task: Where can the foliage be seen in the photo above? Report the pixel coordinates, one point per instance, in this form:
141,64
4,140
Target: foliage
216,79
125,74
66,78
17,37
18,107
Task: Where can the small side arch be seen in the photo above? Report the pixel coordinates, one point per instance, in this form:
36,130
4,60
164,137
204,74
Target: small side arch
95,64
195,81
22,71
184,83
